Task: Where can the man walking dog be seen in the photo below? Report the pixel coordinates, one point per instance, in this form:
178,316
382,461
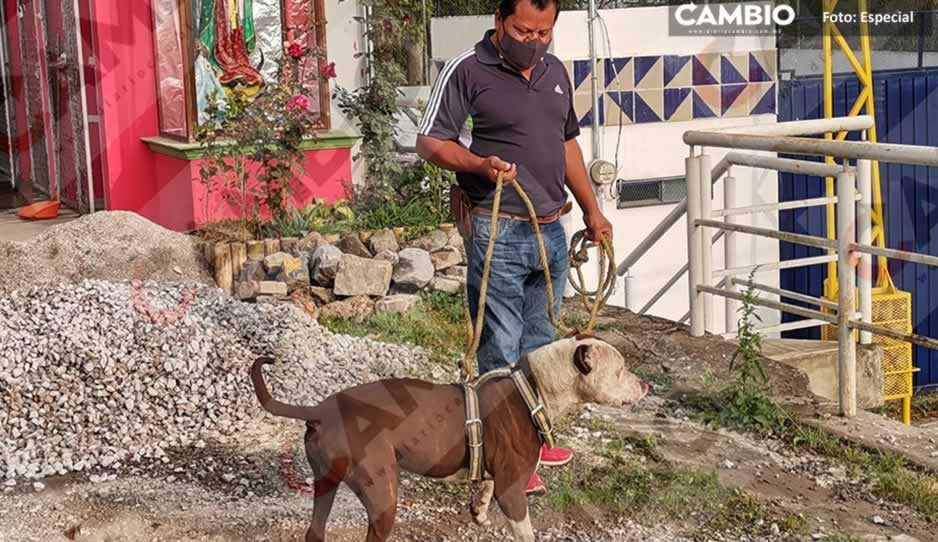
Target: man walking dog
520,100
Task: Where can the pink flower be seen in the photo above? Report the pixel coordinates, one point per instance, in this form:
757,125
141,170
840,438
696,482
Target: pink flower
295,50
408,19
298,102
327,70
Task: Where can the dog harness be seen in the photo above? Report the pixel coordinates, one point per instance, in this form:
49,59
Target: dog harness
474,421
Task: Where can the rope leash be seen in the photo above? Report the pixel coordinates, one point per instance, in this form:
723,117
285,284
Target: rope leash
578,255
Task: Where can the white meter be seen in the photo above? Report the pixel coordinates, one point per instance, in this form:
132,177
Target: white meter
602,172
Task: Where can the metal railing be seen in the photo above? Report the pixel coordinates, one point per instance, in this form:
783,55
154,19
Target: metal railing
785,129
852,249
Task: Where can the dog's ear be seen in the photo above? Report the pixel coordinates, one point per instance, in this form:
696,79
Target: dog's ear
580,361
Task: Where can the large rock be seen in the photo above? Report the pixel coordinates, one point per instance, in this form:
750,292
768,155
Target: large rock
383,240
252,270
458,271
304,300
446,284
324,265
273,263
414,269
454,239
352,244
272,287
431,243
247,289
293,270
445,258
362,276
322,296
354,308
396,304
388,256
309,244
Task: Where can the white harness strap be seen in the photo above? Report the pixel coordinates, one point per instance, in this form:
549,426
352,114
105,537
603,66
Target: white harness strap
474,421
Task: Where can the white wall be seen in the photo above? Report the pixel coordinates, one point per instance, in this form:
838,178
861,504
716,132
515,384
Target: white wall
807,62
343,41
648,150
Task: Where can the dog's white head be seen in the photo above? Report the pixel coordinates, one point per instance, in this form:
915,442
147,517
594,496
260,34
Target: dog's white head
584,369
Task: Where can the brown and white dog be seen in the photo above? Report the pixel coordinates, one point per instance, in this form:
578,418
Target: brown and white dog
365,435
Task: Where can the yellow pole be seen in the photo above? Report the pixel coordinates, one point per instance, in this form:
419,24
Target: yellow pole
878,222
828,113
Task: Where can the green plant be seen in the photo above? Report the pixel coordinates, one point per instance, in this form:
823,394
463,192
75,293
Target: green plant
745,403
289,224
259,139
393,193
320,214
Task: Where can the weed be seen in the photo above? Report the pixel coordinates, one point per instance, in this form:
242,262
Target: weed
745,404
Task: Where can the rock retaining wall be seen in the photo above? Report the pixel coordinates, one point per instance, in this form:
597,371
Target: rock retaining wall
348,276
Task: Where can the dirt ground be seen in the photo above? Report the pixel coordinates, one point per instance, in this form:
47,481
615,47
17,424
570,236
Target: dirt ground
255,487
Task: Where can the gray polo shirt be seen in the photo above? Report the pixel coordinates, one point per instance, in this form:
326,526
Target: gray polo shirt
520,121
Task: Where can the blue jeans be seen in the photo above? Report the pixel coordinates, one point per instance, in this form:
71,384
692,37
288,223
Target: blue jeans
516,317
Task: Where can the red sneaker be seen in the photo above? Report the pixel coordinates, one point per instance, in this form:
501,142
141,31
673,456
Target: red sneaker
555,457
536,486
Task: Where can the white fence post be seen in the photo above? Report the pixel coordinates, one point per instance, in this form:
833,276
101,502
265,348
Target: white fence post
706,212
729,251
865,237
694,245
846,345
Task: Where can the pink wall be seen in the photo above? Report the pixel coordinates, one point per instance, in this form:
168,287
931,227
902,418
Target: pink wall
184,202
128,105
162,188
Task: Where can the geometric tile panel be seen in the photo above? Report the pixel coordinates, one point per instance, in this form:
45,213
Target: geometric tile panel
734,68
676,88
706,69
649,105
762,66
678,104
677,71
619,108
618,74
649,72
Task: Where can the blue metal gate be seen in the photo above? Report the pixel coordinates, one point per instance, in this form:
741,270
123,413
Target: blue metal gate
907,112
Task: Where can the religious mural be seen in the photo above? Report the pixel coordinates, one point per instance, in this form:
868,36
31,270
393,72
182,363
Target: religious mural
241,46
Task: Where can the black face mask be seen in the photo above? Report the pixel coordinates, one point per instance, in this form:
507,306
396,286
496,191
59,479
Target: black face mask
522,54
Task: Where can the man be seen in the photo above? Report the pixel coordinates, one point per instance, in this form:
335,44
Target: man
524,126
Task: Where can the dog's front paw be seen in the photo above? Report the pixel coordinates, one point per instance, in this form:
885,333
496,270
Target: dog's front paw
481,519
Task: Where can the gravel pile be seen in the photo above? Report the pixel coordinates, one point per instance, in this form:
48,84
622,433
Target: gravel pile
101,373
109,245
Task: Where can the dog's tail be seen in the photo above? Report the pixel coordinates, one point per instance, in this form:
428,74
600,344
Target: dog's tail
308,414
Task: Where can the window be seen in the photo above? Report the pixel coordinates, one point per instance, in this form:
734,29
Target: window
214,48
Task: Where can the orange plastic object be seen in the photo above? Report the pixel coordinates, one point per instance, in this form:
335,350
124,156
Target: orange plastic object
39,210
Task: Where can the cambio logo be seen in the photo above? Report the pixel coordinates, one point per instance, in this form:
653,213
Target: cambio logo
748,15
732,19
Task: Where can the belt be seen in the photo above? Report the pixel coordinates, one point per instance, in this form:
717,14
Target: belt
540,220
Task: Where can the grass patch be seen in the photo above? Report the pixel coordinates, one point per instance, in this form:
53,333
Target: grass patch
887,474
436,324
411,214
663,382
651,490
